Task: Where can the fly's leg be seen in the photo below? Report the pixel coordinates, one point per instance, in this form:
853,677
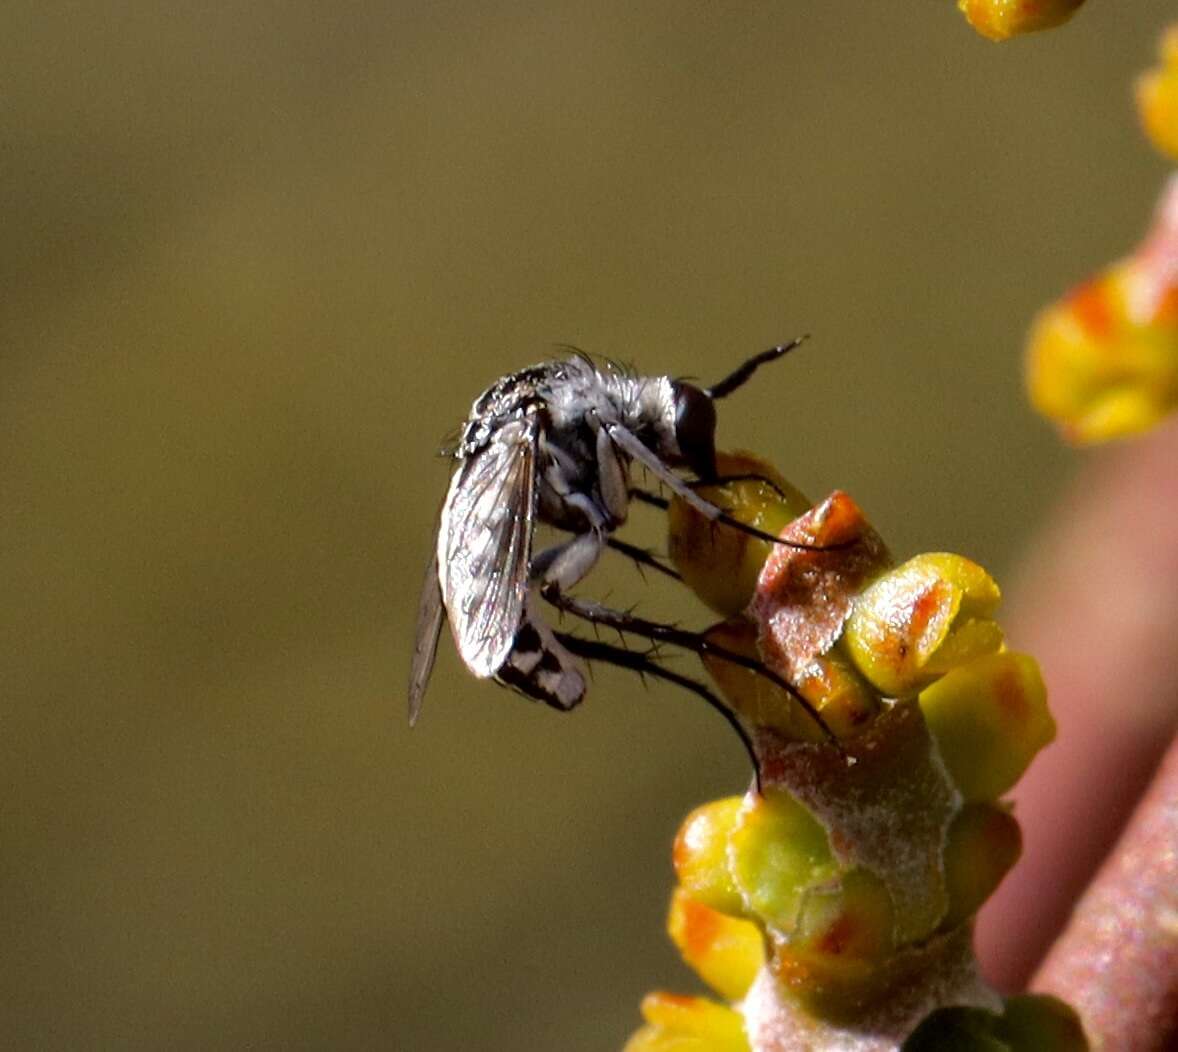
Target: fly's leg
655,500
563,565
721,517
615,497
644,496
611,479
566,564
645,664
721,480
597,614
632,446
643,558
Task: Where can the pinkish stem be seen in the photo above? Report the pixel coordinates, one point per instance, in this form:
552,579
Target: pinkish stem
1117,960
1097,605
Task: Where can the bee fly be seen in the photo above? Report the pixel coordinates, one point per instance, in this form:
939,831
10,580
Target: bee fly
553,444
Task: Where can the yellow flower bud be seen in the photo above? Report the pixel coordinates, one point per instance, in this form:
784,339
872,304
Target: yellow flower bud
1103,361
721,564
687,1024
843,931
1157,98
845,700
700,855
779,853
921,619
989,719
726,952
1002,19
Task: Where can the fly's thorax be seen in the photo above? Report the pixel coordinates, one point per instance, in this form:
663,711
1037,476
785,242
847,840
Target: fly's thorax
583,398
574,391
508,398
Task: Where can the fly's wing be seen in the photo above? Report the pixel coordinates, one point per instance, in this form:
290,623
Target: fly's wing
430,614
485,545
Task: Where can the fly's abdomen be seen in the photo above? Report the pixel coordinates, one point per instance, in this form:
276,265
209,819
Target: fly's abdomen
541,668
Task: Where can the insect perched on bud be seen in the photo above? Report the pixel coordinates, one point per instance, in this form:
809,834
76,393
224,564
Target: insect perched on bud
553,444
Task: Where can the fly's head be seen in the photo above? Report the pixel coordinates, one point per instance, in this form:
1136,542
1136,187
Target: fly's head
676,421
692,411
694,428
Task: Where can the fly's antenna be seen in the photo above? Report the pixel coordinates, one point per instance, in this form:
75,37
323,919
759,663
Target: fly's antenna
739,375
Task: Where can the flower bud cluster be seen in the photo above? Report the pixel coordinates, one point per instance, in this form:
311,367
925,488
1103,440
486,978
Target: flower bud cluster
837,896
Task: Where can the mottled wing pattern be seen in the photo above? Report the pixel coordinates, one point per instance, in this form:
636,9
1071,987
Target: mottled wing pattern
485,545
430,614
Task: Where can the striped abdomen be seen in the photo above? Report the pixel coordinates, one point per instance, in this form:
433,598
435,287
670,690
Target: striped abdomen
540,667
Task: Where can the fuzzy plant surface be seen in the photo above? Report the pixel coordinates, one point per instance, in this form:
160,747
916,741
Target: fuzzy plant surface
831,906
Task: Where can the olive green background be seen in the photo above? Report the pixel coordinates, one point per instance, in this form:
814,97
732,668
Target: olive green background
257,259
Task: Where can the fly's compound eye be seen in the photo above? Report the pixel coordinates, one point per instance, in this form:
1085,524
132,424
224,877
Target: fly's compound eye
695,429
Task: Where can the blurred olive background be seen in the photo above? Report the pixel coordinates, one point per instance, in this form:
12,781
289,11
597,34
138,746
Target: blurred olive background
258,259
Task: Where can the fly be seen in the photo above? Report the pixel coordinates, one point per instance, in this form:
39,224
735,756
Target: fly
553,444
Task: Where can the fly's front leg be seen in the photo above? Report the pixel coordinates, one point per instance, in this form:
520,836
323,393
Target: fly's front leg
614,484
632,446
611,476
624,439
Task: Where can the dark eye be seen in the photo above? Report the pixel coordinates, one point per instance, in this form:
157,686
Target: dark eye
695,429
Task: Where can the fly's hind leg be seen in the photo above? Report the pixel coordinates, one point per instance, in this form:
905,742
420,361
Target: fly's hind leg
623,622
642,558
538,655
539,665
646,665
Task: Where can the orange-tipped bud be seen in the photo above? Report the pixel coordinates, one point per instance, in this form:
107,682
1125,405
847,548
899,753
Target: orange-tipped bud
725,952
918,621
700,855
1157,98
1103,361
830,684
989,719
687,1024
721,564
1002,19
